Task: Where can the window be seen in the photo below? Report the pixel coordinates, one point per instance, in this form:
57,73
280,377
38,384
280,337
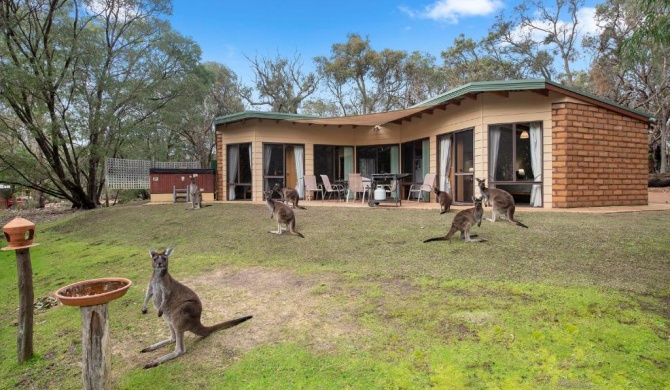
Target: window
415,160
515,161
239,171
334,161
377,159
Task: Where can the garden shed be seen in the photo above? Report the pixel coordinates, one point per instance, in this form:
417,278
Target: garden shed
170,184
548,145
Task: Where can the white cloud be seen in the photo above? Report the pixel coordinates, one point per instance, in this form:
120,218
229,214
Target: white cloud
453,10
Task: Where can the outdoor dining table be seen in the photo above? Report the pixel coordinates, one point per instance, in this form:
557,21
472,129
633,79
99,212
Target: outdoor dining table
375,177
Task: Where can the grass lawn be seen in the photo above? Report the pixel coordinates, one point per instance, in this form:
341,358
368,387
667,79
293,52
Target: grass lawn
575,301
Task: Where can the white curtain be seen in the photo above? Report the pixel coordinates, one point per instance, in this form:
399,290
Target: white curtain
494,145
445,164
299,153
233,158
536,163
267,155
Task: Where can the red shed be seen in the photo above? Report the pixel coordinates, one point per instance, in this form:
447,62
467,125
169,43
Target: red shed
170,185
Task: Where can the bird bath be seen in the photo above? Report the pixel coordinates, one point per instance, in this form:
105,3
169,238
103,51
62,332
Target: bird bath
92,297
93,292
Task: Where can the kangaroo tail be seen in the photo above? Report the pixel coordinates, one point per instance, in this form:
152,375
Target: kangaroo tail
301,208
292,229
520,224
205,331
443,238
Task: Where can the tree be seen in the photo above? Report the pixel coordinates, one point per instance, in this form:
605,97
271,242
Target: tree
639,80
213,91
536,35
280,83
361,79
467,61
79,77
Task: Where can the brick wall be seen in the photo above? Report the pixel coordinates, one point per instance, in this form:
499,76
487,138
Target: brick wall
599,157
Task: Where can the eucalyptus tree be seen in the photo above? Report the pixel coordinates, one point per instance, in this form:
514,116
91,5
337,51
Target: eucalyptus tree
467,61
538,36
79,78
280,83
213,90
636,76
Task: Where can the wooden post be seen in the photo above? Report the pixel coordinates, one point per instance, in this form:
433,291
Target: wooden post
26,308
96,357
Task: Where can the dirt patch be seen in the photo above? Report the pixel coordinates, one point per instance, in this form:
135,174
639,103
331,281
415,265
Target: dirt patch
286,307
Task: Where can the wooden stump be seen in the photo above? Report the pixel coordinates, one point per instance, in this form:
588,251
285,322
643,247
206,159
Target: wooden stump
97,367
26,309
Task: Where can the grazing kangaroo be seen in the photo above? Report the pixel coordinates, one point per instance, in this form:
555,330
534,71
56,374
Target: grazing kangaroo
283,213
291,195
195,194
444,199
179,306
501,201
463,222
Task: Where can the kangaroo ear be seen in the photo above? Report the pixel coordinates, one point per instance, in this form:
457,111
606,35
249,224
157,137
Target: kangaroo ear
152,252
168,251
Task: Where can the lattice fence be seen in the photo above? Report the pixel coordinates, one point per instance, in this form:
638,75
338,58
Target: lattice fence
124,174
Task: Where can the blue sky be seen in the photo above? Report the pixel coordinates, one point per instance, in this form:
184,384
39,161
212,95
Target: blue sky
227,30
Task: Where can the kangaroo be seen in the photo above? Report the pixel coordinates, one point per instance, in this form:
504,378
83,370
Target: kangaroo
291,195
444,199
195,194
283,213
179,306
463,221
501,201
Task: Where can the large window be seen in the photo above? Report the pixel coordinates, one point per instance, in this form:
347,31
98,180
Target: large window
334,161
377,159
239,171
515,161
283,165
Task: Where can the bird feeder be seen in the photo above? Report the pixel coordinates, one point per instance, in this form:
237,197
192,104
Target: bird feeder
19,233
92,297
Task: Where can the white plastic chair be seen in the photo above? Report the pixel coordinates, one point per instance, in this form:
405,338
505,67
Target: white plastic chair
330,189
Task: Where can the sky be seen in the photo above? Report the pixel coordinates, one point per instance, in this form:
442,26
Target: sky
229,30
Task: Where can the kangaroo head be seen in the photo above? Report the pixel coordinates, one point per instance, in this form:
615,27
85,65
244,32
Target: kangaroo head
477,201
160,259
437,190
481,183
268,194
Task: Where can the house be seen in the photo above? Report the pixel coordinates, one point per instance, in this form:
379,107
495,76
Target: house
548,145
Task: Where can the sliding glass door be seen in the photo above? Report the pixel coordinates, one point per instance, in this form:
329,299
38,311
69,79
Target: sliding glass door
464,168
239,171
283,165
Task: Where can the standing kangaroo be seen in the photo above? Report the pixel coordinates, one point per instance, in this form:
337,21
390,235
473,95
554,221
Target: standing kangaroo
501,201
444,199
291,195
463,222
283,213
179,306
194,193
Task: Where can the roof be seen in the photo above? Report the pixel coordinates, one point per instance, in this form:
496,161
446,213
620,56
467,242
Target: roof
454,96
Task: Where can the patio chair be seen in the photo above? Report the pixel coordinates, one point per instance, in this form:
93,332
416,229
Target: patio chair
355,185
331,189
426,186
311,186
